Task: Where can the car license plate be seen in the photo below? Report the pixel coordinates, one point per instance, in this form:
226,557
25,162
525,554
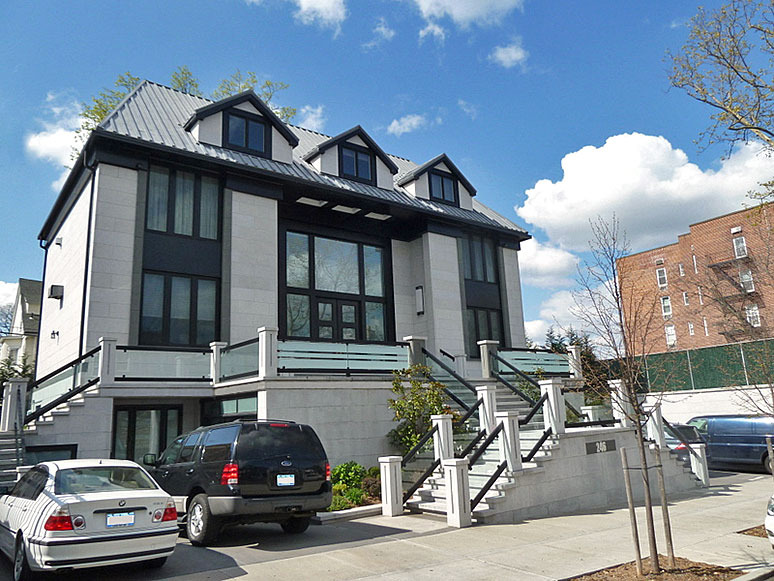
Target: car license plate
286,479
120,519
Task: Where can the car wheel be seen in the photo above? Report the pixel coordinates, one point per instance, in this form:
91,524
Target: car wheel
296,526
156,563
201,527
21,568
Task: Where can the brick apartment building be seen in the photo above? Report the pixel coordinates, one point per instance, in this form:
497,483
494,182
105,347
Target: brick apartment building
712,287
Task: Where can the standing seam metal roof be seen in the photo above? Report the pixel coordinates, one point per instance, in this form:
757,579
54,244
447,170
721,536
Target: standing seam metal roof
157,114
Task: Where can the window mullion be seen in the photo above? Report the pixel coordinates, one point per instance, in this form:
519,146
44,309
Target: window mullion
167,309
171,202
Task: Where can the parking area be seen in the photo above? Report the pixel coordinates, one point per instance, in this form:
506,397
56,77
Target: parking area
704,528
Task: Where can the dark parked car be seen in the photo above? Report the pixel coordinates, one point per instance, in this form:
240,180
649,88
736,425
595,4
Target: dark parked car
736,439
688,434
245,472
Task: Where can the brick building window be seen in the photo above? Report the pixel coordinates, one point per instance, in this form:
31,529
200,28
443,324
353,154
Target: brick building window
740,247
685,298
753,315
681,269
671,335
690,329
706,328
666,307
746,280
661,277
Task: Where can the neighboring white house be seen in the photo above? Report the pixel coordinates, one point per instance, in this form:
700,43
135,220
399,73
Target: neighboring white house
19,344
186,222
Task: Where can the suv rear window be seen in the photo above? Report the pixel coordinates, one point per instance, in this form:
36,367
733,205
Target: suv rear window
258,441
688,433
217,444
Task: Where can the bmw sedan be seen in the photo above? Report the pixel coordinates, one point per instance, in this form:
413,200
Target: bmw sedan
75,514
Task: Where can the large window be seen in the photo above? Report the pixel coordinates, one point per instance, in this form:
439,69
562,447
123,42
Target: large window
183,203
478,259
740,247
483,315
356,163
661,277
248,133
178,310
753,315
335,289
443,187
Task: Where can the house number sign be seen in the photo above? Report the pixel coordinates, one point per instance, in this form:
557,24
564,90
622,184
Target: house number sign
600,446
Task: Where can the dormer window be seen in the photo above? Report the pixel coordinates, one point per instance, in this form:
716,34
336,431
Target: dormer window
356,163
248,133
443,188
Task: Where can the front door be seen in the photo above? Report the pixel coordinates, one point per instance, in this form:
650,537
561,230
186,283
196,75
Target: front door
337,320
140,430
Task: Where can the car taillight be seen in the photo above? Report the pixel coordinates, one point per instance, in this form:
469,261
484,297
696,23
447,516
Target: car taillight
278,425
230,475
170,513
327,471
680,446
59,521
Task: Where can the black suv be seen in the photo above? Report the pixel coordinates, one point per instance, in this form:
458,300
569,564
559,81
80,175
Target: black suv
245,472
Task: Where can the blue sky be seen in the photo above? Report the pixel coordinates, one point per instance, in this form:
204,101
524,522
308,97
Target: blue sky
556,111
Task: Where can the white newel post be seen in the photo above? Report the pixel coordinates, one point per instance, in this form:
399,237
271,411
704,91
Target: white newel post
486,413
415,354
574,358
392,491
443,440
460,364
656,427
510,444
14,390
216,347
699,465
554,413
623,409
107,360
457,493
487,348
267,352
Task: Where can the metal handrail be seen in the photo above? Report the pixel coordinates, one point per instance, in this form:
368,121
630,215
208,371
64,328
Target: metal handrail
469,413
480,452
447,354
601,423
162,348
469,448
526,419
422,441
63,368
410,492
513,388
18,434
537,446
515,369
58,401
677,435
457,400
489,483
448,369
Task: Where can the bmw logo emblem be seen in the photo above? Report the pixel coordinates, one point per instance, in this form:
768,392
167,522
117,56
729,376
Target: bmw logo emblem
121,503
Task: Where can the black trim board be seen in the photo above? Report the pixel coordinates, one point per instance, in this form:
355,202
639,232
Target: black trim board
70,562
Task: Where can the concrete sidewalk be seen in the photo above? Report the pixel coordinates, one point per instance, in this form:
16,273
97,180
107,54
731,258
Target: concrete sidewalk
422,547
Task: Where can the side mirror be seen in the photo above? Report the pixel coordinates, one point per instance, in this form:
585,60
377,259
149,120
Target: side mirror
149,459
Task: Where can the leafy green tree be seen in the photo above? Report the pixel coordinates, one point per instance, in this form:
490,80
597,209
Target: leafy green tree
10,369
6,318
183,80
238,83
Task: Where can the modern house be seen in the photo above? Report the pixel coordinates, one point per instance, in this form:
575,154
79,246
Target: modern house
187,225
18,345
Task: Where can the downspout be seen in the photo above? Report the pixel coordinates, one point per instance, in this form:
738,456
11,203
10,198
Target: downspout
91,168
40,317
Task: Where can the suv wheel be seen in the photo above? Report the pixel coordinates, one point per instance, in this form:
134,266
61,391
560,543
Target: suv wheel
296,526
201,527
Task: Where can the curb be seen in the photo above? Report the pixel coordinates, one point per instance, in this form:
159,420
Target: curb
326,518
764,573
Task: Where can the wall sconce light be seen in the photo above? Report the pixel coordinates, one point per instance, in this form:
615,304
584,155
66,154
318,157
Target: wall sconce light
55,334
420,299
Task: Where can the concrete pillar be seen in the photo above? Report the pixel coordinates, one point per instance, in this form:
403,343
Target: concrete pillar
457,493
415,355
554,413
107,360
14,391
574,357
392,491
488,408
461,364
623,410
699,465
443,439
655,427
267,352
487,348
510,442
216,347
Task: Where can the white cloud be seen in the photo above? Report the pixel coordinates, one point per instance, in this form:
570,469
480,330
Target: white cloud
466,12
434,30
546,266
510,55
468,108
406,124
55,141
313,117
651,187
382,33
557,311
325,13
7,292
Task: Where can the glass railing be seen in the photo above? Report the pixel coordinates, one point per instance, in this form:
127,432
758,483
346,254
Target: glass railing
60,382
157,364
239,360
319,357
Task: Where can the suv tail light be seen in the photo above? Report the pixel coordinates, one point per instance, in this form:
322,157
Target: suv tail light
230,475
680,446
328,471
59,521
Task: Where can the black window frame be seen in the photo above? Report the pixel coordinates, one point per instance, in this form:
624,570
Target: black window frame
440,198
316,296
132,423
172,172
248,118
167,305
358,149
477,333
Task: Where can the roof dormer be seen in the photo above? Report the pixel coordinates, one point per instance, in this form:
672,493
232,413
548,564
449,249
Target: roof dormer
243,123
439,180
355,156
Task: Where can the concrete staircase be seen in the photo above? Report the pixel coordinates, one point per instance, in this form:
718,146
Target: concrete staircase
7,458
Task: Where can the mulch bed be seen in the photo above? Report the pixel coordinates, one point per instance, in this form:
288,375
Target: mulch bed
759,531
685,571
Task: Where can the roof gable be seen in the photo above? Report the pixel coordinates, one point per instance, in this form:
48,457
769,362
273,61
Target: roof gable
356,131
425,167
245,97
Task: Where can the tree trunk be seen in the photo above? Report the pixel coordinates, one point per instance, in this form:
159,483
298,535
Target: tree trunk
655,567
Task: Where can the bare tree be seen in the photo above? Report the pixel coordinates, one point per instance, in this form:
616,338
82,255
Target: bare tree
6,318
622,320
